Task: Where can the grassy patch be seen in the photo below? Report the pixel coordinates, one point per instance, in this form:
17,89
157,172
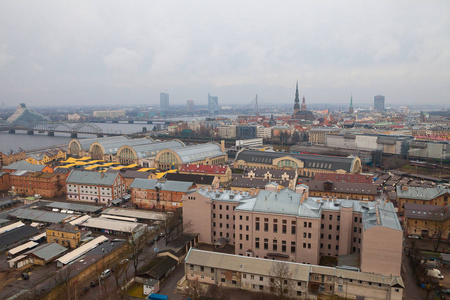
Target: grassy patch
136,290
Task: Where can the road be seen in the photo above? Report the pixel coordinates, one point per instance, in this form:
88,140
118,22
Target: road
169,286
412,291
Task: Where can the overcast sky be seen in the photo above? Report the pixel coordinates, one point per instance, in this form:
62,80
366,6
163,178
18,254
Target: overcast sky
127,52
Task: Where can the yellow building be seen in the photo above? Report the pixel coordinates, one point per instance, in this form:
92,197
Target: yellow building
305,164
437,195
427,220
64,234
43,158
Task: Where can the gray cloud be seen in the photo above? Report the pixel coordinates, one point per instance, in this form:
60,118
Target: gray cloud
54,52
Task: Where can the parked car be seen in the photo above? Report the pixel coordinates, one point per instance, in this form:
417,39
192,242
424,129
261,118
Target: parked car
25,276
435,273
413,237
105,274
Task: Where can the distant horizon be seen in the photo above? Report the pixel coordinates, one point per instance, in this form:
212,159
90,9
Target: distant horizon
111,53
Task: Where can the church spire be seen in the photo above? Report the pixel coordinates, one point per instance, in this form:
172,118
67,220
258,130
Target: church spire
303,104
350,110
296,101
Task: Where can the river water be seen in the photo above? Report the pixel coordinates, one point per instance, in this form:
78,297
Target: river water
22,140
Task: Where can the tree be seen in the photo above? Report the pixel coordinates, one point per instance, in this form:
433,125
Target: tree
121,277
172,226
194,289
280,281
135,242
441,225
216,292
66,288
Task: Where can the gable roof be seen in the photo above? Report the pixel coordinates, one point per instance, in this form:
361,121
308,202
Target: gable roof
91,178
47,252
168,185
344,187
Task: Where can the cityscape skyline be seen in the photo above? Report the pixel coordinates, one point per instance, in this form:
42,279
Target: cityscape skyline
130,53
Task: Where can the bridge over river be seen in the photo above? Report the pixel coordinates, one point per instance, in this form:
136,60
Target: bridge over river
55,127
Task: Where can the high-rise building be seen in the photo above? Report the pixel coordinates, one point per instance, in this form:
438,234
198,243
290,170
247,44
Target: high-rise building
164,101
213,104
190,106
378,103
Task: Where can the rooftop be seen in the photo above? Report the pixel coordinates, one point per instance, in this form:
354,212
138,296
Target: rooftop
91,178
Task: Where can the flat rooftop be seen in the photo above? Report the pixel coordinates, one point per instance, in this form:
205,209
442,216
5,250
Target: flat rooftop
136,213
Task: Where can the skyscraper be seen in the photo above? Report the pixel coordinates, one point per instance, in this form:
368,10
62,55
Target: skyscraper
190,106
164,101
213,104
378,103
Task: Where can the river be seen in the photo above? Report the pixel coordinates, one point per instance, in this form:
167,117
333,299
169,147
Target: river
24,141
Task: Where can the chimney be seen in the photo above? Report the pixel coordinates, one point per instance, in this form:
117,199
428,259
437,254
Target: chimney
102,174
222,145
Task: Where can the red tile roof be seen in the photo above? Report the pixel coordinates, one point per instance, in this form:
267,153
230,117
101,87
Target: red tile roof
204,169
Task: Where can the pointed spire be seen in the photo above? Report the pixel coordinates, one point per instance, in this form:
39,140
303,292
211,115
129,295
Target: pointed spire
296,94
351,110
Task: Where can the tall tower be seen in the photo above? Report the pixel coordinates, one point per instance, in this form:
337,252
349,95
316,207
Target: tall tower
256,106
378,103
297,101
303,104
350,110
164,101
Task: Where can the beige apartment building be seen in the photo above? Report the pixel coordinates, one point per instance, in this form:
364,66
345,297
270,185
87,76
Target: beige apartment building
305,281
291,226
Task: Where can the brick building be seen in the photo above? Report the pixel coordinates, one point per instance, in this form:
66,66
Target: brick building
223,173
48,185
159,194
291,226
64,234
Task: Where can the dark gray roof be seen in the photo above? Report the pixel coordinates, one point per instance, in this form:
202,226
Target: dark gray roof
8,239
141,183
167,185
331,163
425,211
39,215
91,178
130,173
257,183
74,206
195,178
48,251
158,270
64,228
344,187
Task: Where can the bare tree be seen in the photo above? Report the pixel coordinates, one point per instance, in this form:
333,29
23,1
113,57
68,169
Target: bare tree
216,292
121,278
172,227
441,225
280,280
194,289
66,288
135,242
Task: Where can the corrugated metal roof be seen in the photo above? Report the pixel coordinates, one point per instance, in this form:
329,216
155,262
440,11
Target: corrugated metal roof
114,225
11,227
74,206
24,165
40,216
421,193
23,247
135,213
81,250
150,150
48,251
198,152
